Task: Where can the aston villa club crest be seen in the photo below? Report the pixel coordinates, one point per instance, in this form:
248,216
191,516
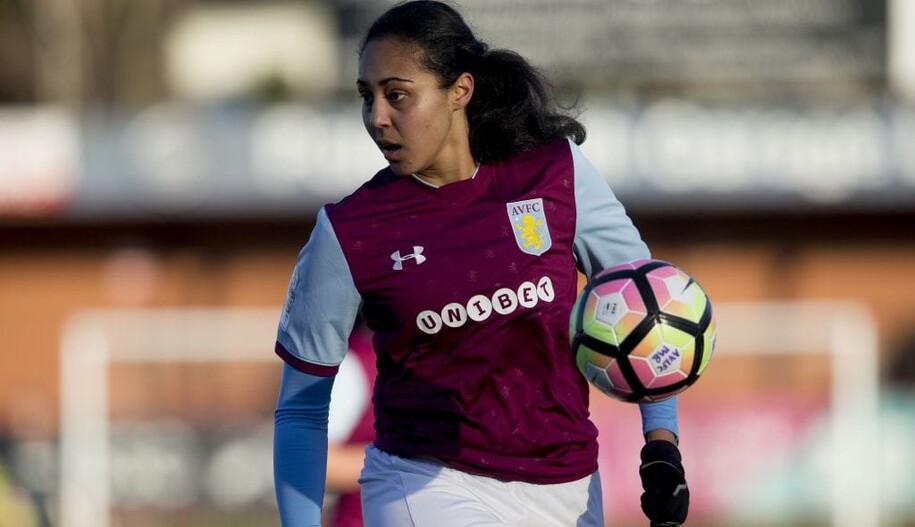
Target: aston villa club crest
529,225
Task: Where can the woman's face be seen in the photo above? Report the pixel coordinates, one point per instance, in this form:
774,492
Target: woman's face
420,127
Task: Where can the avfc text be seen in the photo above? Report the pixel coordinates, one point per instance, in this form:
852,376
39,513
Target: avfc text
481,307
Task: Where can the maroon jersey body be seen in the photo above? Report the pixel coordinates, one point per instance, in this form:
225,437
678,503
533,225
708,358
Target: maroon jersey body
468,288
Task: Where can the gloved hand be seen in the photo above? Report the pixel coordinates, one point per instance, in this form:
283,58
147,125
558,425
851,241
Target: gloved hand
666,498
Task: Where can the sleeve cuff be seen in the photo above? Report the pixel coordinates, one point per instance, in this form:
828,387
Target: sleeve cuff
303,366
660,415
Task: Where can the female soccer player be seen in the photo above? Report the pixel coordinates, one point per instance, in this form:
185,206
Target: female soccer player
462,258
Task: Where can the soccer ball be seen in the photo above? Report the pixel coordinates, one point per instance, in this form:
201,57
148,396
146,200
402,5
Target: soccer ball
642,331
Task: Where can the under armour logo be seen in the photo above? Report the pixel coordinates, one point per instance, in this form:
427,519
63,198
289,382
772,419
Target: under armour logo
416,255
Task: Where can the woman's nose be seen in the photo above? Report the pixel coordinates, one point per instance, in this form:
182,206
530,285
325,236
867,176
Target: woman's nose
380,115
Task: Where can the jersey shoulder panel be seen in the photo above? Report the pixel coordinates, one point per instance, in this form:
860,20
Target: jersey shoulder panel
321,305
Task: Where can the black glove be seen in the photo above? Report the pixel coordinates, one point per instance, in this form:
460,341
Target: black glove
666,498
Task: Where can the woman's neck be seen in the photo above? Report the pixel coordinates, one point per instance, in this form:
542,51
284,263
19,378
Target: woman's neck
436,183
465,170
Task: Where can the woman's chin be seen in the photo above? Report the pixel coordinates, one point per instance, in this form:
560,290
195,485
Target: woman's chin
400,169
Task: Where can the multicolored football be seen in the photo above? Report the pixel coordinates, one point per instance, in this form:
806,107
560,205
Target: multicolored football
642,331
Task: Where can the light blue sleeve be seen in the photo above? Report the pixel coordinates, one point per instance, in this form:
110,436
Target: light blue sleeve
315,324
321,304
604,237
300,447
604,234
660,415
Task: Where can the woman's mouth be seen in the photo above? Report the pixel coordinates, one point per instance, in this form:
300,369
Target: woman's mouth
391,151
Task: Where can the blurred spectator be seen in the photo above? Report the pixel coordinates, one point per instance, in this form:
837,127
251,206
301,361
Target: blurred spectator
350,429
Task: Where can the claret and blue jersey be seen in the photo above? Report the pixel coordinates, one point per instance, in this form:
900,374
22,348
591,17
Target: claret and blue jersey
468,289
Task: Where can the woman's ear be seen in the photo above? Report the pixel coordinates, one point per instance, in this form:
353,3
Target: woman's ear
462,91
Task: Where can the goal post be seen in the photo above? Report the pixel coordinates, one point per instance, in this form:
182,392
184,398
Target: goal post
95,340
847,331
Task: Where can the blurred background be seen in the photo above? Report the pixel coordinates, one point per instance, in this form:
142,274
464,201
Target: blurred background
162,162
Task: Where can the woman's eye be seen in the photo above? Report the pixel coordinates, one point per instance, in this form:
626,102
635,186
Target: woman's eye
396,96
366,97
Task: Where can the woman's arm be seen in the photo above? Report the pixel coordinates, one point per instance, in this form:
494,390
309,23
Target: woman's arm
300,447
315,324
604,237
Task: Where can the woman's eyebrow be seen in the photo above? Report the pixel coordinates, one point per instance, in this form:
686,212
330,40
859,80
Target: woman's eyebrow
382,82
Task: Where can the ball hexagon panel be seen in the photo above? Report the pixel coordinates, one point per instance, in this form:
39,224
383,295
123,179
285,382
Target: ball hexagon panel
609,380
677,293
664,357
586,357
613,310
617,380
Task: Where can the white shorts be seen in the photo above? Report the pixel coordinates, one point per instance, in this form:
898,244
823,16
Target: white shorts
406,492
